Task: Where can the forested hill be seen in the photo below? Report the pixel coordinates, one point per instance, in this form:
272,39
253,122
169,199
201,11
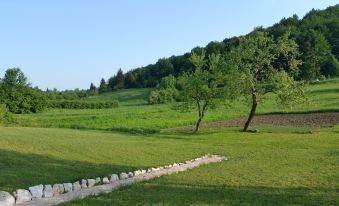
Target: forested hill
317,35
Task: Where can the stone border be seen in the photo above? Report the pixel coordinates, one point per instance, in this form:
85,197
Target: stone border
43,195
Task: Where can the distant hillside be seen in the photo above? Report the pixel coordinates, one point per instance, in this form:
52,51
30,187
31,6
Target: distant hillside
317,35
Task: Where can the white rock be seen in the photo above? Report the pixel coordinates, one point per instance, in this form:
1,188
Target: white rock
98,181
149,170
130,174
68,187
23,196
58,189
114,177
48,191
143,171
76,186
6,199
137,172
123,175
105,180
83,184
90,182
36,191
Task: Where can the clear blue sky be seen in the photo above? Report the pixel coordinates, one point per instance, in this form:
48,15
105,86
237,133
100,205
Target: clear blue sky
67,44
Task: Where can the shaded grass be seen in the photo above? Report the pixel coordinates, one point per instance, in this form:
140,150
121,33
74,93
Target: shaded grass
263,169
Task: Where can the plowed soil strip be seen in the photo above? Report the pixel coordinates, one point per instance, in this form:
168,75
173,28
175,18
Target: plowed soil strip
326,119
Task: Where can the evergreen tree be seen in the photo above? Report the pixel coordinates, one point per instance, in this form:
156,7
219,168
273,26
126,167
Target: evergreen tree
103,86
119,79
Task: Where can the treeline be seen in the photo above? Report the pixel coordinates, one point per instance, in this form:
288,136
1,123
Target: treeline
316,36
18,96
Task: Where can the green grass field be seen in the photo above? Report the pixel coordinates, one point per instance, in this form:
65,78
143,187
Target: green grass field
322,97
283,166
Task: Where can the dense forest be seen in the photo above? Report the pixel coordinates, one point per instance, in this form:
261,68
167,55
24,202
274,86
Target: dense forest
317,35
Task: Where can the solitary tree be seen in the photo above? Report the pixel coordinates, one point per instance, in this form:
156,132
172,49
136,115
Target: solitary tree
202,88
265,65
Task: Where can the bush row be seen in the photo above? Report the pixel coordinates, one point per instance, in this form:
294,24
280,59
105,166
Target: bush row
80,104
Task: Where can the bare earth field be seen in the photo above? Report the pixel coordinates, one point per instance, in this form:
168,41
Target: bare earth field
326,119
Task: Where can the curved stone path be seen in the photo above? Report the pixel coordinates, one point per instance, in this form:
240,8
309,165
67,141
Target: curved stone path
107,188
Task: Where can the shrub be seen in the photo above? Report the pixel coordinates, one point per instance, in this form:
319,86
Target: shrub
163,96
5,115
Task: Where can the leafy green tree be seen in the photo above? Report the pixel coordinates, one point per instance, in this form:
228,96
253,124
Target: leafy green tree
14,77
166,91
168,82
18,96
201,89
257,73
103,86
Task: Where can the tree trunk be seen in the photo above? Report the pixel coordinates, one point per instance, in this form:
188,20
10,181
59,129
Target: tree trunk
198,124
201,116
252,113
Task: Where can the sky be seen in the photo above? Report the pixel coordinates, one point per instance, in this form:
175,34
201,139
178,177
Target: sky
68,44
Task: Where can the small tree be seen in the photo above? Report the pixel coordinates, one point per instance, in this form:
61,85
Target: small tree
166,91
202,88
264,65
18,96
103,86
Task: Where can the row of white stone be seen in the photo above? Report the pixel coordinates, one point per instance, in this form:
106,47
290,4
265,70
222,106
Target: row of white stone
48,190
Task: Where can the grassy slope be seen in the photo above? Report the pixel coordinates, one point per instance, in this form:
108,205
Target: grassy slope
125,97
278,168
264,168
323,96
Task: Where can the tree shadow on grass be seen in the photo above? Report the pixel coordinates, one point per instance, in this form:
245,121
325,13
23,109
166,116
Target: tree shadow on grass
21,170
176,194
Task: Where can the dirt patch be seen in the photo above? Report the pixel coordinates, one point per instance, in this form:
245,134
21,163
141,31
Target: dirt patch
328,119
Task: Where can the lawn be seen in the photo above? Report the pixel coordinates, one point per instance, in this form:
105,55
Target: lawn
264,168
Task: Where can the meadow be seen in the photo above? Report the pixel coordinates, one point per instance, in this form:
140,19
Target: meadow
276,166
135,115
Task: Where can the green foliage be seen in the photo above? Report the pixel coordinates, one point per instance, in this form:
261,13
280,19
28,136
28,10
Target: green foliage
5,115
166,91
17,94
316,35
201,89
289,92
258,73
162,96
103,86
133,111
